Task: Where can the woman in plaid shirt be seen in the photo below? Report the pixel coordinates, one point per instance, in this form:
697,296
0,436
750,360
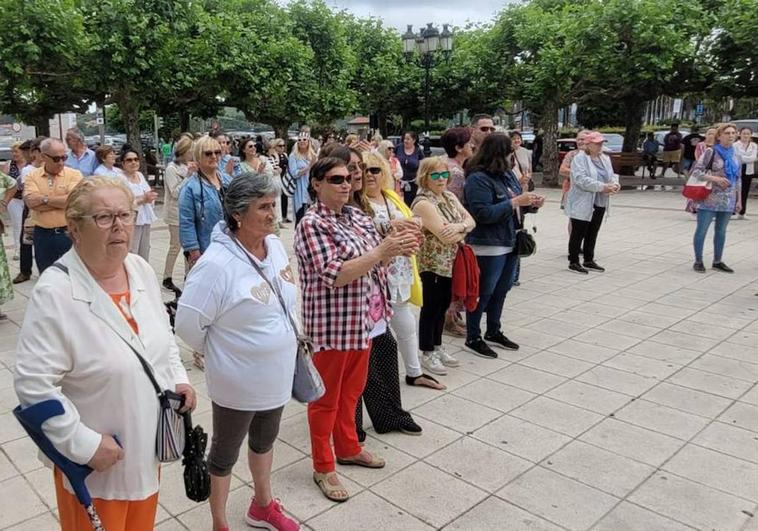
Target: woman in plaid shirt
345,303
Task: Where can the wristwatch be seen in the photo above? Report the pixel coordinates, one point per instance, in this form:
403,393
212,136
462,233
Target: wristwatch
45,200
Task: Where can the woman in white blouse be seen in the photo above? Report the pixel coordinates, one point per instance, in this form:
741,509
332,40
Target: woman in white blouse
106,156
231,310
82,325
144,198
747,151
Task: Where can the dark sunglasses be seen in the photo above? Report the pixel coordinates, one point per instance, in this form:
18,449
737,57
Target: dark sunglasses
485,129
132,159
354,167
338,179
56,159
437,175
211,153
374,171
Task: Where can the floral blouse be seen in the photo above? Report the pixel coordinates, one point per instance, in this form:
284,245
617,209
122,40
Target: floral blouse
434,255
720,199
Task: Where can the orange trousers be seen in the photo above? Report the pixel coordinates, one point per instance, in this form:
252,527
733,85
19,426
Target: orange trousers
115,515
333,415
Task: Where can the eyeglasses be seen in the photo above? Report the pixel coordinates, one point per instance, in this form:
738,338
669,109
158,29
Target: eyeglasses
132,159
56,158
338,179
374,171
209,154
351,167
107,219
280,145
485,129
437,175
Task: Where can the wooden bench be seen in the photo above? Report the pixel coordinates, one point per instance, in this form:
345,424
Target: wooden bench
626,163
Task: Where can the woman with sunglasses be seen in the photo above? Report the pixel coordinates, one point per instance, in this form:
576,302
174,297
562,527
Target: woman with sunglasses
446,224
345,304
387,150
298,165
410,156
144,198
201,204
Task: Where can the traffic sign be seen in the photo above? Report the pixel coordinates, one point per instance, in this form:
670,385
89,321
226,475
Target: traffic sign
700,109
16,127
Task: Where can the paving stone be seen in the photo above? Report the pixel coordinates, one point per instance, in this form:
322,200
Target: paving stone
662,419
557,364
18,502
557,416
617,380
584,351
631,441
527,378
630,517
710,383
450,410
493,514
689,400
559,499
367,507
589,397
521,438
494,395
742,415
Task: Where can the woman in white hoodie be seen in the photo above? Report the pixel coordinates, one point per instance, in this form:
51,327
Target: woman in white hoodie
747,151
233,310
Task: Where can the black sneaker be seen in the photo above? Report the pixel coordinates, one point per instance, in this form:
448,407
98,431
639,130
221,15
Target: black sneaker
699,267
577,268
721,266
169,285
592,266
480,348
500,340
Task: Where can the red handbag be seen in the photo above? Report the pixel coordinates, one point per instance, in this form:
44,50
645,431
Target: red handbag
696,189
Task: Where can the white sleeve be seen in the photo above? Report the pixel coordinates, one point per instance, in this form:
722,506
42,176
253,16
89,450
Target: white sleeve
199,304
42,362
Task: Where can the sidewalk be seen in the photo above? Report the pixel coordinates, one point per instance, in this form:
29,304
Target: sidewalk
631,404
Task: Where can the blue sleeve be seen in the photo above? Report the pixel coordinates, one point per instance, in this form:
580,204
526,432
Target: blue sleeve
478,196
187,231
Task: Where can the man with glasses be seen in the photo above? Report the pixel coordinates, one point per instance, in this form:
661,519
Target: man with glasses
80,157
228,164
481,126
46,190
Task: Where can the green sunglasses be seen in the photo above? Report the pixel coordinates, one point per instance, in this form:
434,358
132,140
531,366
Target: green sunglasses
440,175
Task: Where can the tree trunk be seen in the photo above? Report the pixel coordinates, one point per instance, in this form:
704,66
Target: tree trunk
130,116
634,110
184,121
280,130
42,125
549,124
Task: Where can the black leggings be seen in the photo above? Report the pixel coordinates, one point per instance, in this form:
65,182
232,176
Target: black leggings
747,180
584,236
285,204
437,295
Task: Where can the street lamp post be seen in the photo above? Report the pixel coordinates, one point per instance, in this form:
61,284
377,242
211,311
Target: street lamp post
424,48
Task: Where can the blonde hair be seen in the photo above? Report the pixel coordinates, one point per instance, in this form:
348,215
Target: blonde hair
204,143
78,202
720,128
16,145
373,159
425,169
384,145
183,145
296,152
351,139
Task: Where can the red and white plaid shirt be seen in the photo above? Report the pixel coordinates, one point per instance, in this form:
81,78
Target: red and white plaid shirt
337,318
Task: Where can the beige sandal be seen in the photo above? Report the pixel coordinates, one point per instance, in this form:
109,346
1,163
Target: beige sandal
329,490
198,359
373,462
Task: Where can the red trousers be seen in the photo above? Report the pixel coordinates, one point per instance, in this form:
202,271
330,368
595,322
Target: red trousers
333,416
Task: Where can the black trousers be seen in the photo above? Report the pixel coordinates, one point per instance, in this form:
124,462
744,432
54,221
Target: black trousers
382,391
49,245
27,253
584,236
285,204
437,295
747,180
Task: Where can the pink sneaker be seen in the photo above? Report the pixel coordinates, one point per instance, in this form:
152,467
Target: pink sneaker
271,517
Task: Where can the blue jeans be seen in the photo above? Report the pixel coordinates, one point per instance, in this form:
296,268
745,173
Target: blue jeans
496,275
704,219
49,245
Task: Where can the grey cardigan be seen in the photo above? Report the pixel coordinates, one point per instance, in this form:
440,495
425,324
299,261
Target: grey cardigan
585,183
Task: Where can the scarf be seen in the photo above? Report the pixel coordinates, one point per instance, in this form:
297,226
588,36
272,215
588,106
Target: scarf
731,167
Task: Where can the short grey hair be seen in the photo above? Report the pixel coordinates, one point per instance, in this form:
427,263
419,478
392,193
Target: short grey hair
47,143
75,131
242,191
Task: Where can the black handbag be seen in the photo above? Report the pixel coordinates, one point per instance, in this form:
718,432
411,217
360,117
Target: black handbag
197,478
525,243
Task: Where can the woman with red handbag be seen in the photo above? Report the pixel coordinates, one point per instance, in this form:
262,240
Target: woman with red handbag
720,167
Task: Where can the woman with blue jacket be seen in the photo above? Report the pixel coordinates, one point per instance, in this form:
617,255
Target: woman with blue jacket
492,195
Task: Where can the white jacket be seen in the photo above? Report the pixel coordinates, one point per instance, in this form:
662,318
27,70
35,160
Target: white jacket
585,185
747,156
73,348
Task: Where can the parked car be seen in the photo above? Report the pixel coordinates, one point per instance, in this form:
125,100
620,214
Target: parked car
564,146
614,143
5,147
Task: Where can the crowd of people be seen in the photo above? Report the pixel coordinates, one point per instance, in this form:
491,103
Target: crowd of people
380,231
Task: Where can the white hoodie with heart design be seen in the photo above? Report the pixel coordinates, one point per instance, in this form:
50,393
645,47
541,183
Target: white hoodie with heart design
229,312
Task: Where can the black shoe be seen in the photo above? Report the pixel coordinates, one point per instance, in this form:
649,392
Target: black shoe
169,285
721,266
502,341
516,283
699,267
592,266
576,267
21,277
411,428
480,348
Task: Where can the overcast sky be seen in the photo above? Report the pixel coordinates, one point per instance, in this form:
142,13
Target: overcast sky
400,13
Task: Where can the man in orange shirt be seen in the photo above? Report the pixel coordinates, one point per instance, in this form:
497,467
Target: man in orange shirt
46,191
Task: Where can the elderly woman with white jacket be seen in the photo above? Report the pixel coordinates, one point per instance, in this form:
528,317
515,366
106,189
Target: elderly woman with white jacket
234,308
87,316
587,201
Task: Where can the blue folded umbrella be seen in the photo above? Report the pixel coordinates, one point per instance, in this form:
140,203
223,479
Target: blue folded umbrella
31,419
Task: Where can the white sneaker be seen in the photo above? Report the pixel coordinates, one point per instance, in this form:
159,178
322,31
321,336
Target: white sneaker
432,363
742,216
448,360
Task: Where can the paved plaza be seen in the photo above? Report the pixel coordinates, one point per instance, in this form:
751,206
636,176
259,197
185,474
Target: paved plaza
631,404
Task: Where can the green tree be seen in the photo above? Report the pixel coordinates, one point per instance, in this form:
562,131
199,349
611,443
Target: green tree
732,51
40,60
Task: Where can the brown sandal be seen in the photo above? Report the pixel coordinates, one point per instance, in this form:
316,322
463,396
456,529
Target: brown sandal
329,490
374,462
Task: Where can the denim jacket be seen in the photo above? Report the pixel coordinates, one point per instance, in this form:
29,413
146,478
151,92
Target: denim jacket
200,208
487,197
